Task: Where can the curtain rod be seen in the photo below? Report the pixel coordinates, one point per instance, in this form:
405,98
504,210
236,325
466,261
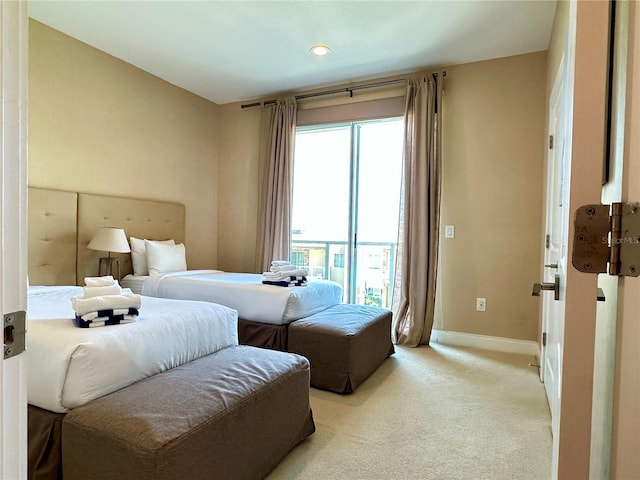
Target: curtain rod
350,90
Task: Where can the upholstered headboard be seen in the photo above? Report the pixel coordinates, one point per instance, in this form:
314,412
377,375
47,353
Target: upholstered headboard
52,239
61,224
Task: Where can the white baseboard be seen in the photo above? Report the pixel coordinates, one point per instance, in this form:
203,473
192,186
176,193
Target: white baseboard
500,344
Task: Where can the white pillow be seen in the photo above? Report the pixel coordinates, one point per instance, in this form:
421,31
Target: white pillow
165,258
139,254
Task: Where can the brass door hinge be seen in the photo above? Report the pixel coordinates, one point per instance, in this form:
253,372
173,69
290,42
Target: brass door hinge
607,239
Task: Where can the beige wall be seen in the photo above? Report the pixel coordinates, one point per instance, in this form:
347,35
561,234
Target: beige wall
100,125
238,194
493,155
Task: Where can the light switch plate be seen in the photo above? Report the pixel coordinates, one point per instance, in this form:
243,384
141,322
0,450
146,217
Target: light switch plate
449,231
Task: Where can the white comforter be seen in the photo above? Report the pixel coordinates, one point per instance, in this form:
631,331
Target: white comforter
246,293
69,366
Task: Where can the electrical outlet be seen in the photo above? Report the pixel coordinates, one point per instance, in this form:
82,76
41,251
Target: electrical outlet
481,304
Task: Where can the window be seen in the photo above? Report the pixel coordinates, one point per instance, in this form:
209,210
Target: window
346,193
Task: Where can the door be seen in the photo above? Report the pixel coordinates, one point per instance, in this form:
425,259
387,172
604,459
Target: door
13,217
377,198
350,235
555,253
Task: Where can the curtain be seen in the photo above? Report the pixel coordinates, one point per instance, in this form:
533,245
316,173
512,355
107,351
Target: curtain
276,182
414,290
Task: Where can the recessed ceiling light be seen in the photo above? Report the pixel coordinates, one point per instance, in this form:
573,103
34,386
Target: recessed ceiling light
320,50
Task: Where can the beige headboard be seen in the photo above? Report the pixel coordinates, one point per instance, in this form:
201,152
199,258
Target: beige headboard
52,238
149,219
61,224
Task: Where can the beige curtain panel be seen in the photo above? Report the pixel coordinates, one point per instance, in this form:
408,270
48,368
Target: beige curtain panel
414,290
276,182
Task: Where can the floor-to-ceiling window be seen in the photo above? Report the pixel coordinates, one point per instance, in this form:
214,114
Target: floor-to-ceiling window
346,194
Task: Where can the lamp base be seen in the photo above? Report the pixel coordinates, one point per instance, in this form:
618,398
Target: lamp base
108,264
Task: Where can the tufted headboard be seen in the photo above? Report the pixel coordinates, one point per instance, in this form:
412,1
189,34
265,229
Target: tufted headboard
61,224
52,240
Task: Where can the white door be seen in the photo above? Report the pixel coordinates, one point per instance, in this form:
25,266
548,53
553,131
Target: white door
13,217
555,257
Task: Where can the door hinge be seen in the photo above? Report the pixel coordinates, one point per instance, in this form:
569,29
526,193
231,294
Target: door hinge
14,333
547,240
550,142
544,339
607,239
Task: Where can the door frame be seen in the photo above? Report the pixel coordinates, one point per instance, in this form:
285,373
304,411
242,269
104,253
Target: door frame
14,26
587,55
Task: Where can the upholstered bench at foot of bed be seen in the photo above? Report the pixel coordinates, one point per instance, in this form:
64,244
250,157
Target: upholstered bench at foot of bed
344,344
233,414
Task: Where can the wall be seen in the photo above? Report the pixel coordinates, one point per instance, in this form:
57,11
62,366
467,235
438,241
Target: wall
238,194
99,125
493,154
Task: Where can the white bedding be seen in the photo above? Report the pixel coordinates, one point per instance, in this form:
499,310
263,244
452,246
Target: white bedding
134,282
69,366
246,293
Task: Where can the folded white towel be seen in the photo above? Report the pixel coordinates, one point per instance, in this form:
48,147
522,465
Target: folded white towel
282,268
102,291
276,276
127,300
99,281
278,263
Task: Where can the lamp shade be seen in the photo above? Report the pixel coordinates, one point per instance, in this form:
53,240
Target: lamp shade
108,239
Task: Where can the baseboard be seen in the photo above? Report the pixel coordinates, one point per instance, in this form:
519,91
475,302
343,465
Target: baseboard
500,344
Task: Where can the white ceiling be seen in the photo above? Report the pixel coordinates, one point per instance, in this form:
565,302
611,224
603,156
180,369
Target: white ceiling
229,51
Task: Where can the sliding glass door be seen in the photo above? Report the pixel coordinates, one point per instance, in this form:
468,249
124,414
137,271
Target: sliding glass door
345,206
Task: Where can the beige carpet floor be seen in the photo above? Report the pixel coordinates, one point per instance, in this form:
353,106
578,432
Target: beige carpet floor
431,413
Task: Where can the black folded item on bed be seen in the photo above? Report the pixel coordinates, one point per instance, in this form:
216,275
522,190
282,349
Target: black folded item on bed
290,281
103,318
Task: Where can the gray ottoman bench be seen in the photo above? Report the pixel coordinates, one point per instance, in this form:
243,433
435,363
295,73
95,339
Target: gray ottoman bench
233,414
344,344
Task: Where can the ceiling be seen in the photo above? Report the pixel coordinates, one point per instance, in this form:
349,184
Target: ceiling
229,51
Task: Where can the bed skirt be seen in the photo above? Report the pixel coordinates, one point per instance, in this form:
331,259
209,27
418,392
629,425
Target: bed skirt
264,335
45,444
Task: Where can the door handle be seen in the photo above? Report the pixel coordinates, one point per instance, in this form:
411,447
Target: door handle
552,265
555,286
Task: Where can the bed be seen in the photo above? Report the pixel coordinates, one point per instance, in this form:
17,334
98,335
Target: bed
264,311
72,218
70,366
74,369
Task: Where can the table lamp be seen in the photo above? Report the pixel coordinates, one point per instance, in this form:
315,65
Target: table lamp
109,239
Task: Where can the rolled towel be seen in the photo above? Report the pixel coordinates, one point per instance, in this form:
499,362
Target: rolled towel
128,299
99,281
102,291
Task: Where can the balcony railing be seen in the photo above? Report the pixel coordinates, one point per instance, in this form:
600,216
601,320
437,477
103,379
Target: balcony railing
324,269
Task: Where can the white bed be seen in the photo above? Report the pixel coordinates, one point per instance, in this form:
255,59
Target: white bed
69,366
245,293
